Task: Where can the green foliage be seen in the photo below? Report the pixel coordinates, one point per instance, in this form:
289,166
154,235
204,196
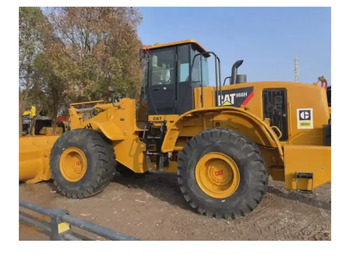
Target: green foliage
30,44
101,50
74,54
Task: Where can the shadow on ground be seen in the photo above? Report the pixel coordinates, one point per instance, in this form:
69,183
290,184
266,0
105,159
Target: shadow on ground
162,186
306,198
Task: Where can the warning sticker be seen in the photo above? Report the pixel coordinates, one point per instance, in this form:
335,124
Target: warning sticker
305,118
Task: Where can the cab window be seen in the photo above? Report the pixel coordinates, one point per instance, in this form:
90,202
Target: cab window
196,70
184,63
163,71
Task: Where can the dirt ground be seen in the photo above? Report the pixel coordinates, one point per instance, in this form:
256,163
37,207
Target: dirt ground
152,208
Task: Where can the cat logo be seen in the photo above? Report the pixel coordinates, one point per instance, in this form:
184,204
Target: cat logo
305,118
234,97
227,103
304,114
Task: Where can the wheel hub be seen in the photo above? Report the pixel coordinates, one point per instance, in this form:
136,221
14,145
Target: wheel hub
217,175
73,164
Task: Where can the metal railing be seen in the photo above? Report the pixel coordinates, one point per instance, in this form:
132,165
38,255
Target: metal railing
60,224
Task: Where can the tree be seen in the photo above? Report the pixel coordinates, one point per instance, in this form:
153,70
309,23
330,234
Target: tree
49,88
30,44
101,50
40,83
74,54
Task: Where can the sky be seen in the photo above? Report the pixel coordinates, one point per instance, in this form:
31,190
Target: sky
267,38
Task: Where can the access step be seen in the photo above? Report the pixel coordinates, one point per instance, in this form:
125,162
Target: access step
304,175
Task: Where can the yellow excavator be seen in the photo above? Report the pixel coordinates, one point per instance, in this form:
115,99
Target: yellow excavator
39,124
222,141
27,117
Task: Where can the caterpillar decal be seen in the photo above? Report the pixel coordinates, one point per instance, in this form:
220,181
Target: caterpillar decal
234,97
305,118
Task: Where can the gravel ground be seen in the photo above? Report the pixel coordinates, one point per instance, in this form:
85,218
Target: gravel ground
152,208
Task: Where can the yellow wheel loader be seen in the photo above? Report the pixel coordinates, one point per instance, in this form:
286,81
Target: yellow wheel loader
39,124
222,141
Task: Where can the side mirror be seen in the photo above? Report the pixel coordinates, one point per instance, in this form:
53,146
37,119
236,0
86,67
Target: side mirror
144,53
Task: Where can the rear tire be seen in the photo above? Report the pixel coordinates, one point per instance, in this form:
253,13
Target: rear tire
82,163
236,194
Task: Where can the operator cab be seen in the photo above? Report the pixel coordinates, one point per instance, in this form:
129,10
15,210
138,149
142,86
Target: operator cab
170,73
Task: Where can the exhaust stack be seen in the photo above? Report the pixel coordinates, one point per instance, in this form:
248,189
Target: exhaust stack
235,78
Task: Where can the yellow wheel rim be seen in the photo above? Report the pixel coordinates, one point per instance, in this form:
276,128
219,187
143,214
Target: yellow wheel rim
217,175
73,164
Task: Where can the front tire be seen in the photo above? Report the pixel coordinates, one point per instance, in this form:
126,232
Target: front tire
82,163
222,173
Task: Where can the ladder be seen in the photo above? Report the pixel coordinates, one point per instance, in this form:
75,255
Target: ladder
153,137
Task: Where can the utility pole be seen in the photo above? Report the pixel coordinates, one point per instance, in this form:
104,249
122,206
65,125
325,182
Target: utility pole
296,69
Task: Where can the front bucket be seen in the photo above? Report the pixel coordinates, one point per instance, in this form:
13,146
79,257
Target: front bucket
34,156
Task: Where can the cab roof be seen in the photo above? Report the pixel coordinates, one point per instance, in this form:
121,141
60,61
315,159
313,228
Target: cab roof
194,42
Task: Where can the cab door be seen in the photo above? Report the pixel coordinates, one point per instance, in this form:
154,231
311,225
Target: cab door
162,88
